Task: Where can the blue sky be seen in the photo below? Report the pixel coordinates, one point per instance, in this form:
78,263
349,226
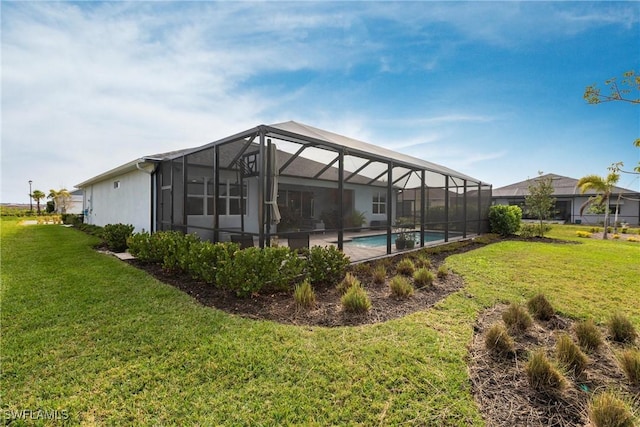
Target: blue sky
491,89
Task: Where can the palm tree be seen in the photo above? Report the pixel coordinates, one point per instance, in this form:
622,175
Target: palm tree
38,195
603,188
60,199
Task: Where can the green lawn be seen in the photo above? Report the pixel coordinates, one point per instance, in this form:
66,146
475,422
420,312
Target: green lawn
89,335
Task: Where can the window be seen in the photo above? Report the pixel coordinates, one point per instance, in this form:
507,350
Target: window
379,203
229,198
200,196
116,184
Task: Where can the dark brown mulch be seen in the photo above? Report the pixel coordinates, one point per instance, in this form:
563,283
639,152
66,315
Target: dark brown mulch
500,384
280,306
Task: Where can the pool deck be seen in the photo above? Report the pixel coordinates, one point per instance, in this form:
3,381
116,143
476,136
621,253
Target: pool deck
362,253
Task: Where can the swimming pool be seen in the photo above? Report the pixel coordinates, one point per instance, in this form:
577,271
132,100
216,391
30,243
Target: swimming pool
381,239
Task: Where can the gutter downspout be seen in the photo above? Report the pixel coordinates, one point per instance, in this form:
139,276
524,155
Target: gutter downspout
151,174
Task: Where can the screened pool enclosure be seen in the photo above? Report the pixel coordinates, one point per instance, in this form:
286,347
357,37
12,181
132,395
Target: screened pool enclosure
290,182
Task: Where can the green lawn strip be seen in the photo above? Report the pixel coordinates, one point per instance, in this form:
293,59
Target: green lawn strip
86,333
591,279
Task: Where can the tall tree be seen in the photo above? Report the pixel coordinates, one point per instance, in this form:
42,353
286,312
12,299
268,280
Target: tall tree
603,188
540,201
38,195
628,90
61,199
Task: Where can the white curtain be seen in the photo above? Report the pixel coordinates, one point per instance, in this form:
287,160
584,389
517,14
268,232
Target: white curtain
275,171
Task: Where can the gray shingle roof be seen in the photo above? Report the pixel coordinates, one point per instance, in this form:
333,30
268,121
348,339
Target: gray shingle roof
563,186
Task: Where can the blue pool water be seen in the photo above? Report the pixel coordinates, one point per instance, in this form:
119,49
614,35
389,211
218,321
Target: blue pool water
381,239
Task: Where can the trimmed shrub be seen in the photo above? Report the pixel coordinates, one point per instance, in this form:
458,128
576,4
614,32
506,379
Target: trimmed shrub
542,375
443,272
115,236
540,307
569,355
94,230
630,363
356,300
209,262
528,230
498,341
71,219
347,283
516,318
304,295
406,267
401,287
326,265
608,410
379,274
621,329
254,269
583,234
423,277
589,336
505,220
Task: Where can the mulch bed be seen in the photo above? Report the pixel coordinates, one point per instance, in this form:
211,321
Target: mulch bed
280,306
502,391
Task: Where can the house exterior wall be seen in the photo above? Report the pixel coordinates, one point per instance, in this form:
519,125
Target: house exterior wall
629,210
127,202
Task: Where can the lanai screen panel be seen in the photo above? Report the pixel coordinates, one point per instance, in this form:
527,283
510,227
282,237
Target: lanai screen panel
456,205
320,181
473,209
436,218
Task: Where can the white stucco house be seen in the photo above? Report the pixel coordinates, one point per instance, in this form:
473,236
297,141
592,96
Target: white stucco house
569,200
285,178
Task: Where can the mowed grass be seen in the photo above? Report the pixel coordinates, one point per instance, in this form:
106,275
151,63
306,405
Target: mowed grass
86,333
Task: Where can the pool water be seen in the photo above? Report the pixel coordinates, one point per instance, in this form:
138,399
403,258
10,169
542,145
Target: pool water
381,239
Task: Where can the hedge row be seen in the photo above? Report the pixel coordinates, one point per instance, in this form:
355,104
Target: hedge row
244,271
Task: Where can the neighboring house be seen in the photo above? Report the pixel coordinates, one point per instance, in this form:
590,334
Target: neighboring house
569,201
75,205
284,178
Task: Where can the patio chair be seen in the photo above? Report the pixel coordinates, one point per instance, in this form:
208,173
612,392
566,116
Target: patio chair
298,241
244,240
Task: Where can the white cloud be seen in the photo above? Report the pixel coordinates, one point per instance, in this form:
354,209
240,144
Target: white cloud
88,86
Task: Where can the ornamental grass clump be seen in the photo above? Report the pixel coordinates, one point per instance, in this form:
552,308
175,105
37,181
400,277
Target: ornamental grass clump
621,329
540,307
630,363
423,278
379,274
304,295
347,283
498,341
443,272
608,410
589,336
570,356
356,300
423,261
406,267
401,287
542,375
516,318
